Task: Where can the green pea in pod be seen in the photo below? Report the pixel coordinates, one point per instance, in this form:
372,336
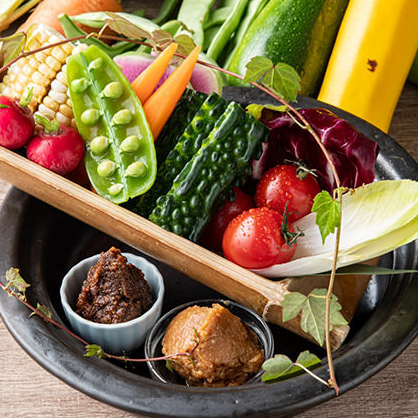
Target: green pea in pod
120,158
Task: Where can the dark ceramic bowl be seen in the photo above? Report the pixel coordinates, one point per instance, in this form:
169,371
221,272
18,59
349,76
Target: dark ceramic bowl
158,369
44,243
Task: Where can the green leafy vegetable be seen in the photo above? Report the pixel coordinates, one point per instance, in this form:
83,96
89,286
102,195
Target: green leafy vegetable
328,213
94,350
312,309
280,367
280,78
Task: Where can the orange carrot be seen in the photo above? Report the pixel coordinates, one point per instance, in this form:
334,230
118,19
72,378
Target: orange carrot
161,104
146,82
48,11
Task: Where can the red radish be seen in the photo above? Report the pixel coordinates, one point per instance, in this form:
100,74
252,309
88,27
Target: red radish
57,147
16,123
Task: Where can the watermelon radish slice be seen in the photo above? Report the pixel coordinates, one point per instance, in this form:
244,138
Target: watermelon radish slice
203,79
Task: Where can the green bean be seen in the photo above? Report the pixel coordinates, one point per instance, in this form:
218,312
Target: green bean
73,31
253,9
120,154
172,26
217,17
226,30
165,12
194,14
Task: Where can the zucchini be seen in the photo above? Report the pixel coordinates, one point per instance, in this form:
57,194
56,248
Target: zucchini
298,32
224,156
183,113
188,144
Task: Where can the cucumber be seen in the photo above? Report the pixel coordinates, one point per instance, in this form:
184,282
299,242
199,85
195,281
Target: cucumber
224,156
187,145
298,32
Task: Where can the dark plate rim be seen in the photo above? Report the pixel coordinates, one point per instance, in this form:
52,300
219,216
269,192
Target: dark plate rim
56,352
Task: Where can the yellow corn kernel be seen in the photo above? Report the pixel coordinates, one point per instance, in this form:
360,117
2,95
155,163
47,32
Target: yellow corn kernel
53,63
66,111
62,119
50,104
46,71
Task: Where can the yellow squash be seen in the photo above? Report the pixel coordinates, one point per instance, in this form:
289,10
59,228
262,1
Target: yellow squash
372,55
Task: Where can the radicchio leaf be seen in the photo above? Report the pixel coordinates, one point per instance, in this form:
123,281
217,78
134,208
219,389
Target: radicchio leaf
353,154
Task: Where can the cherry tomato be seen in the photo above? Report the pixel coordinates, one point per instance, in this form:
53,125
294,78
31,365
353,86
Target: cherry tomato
287,184
212,237
254,239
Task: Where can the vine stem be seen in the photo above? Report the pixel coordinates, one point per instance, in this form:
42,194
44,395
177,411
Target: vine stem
85,343
332,381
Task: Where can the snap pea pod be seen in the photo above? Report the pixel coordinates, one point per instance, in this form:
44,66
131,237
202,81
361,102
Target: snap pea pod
120,154
224,156
226,30
217,17
194,14
165,12
187,145
71,30
172,26
98,19
182,115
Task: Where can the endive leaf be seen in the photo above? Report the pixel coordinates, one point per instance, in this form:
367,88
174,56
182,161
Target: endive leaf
376,219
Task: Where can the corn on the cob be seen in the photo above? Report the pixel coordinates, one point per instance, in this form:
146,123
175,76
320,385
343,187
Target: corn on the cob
45,72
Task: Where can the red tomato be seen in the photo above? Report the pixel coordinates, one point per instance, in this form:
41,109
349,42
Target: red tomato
212,237
254,239
286,184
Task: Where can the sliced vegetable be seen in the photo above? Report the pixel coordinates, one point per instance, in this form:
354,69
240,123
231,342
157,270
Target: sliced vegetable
120,158
371,59
376,219
296,32
48,11
145,83
353,154
203,78
161,104
187,145
223,157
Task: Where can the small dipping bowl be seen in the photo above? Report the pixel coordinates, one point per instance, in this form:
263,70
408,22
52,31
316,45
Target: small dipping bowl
159,371
113,338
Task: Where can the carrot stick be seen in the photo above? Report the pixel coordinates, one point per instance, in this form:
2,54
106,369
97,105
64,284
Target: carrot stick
146,82
47,11
161,104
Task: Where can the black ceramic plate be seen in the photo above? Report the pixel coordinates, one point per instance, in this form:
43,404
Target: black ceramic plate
44,243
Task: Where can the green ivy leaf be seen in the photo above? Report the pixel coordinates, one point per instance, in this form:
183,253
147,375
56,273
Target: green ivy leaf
162,38
280,367
328,213
281,78
312,309
256,110
257,69
94,350
185,44
11,47
124,27
43,309
15,283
